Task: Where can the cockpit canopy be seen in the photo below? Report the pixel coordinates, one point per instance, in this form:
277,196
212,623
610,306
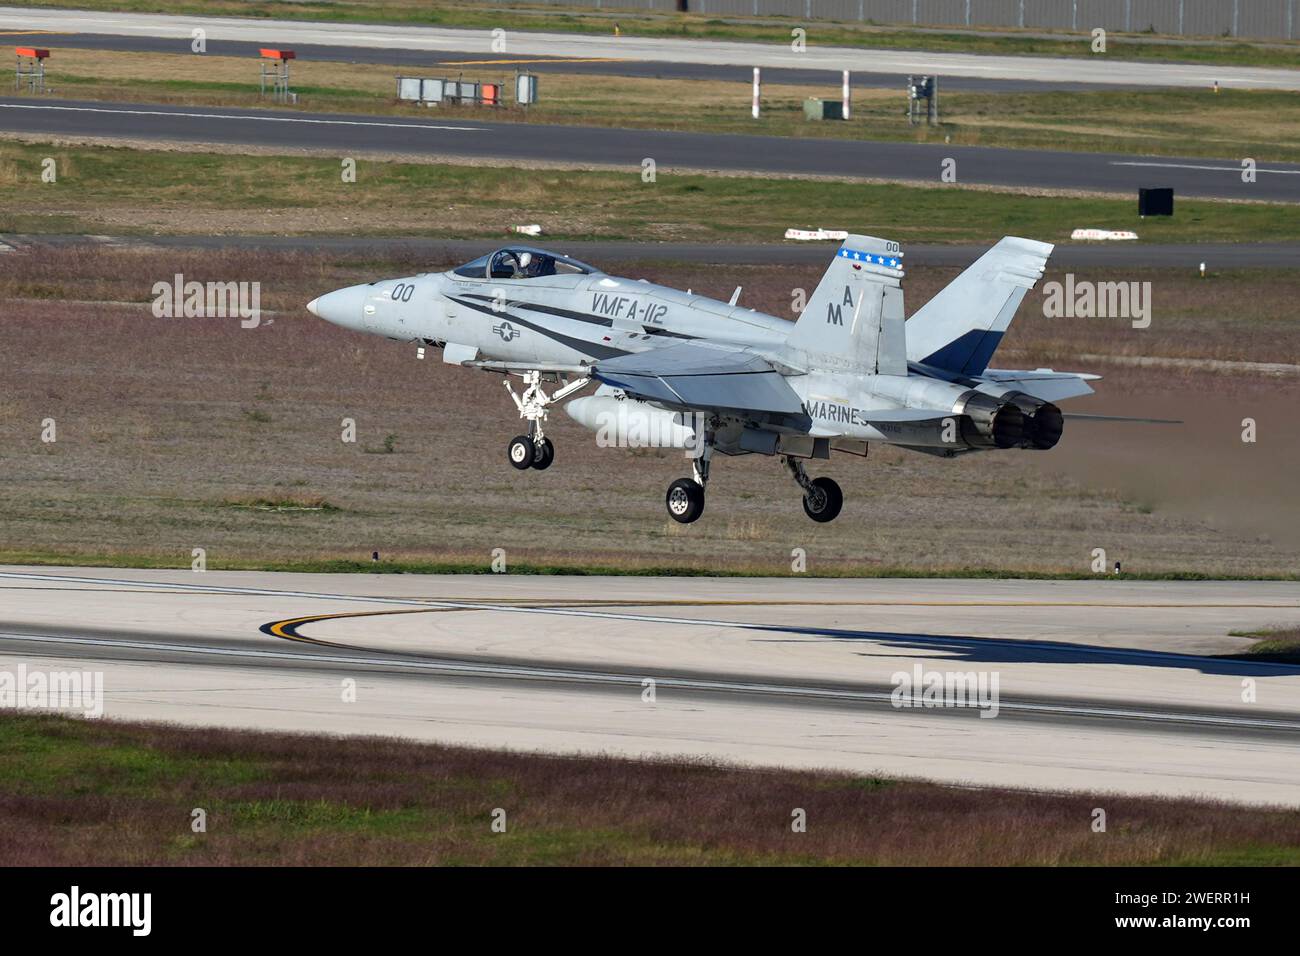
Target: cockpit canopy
523,262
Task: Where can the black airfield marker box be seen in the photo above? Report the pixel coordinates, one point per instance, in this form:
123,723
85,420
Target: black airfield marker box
1156,202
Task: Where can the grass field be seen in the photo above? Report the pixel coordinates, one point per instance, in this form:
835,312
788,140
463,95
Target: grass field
522,16
1231,125
1275,644
118,190
171,431
114,794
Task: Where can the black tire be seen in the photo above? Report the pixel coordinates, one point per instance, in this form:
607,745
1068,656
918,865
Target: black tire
685,500
824,500
521,452
544,454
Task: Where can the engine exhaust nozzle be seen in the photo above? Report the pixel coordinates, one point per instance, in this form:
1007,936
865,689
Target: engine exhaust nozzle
990,422
1044,422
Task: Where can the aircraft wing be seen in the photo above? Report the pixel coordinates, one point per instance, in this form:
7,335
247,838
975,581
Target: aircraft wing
699,375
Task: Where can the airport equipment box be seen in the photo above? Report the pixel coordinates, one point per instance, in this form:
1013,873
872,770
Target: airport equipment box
816,109
1156,202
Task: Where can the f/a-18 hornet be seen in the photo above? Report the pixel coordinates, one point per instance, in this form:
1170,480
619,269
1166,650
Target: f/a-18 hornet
682,370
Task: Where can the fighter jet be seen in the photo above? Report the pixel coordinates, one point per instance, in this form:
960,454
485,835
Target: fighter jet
675,369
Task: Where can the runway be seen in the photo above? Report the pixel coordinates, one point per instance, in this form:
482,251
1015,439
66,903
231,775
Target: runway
457,137
601,253
1092,70
1104,685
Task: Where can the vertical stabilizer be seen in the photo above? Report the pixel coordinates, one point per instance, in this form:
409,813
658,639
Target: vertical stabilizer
961,327
854,320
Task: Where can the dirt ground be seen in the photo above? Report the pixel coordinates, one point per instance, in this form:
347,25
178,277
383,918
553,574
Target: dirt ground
174,434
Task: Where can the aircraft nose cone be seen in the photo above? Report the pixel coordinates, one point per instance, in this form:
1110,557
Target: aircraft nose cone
342,306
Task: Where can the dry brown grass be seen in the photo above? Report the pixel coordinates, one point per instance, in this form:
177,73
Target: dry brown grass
567,94
162,422
77,792
1280,643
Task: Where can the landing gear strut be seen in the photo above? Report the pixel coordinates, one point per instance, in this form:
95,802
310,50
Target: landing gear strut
535,450
685,498
822,498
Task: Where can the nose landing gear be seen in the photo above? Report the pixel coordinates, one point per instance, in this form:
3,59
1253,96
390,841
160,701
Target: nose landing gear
526,452
535,450
521,452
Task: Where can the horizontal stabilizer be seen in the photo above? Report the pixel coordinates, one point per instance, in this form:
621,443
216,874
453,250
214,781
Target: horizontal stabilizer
1044,383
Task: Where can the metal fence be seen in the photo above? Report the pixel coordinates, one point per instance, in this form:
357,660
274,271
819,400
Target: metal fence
1258,19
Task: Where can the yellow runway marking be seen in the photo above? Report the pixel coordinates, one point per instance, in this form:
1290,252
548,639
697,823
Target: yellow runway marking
288,629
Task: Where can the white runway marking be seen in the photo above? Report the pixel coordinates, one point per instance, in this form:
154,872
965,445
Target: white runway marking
1214,169
240,116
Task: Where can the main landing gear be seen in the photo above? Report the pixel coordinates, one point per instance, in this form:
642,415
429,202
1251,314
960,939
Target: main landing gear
535,450
685,498
822,497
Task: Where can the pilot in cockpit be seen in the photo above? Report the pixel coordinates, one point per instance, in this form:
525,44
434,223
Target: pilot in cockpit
522,264
530,265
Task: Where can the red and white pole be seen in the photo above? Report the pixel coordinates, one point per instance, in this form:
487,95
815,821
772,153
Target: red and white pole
757,91
845,94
